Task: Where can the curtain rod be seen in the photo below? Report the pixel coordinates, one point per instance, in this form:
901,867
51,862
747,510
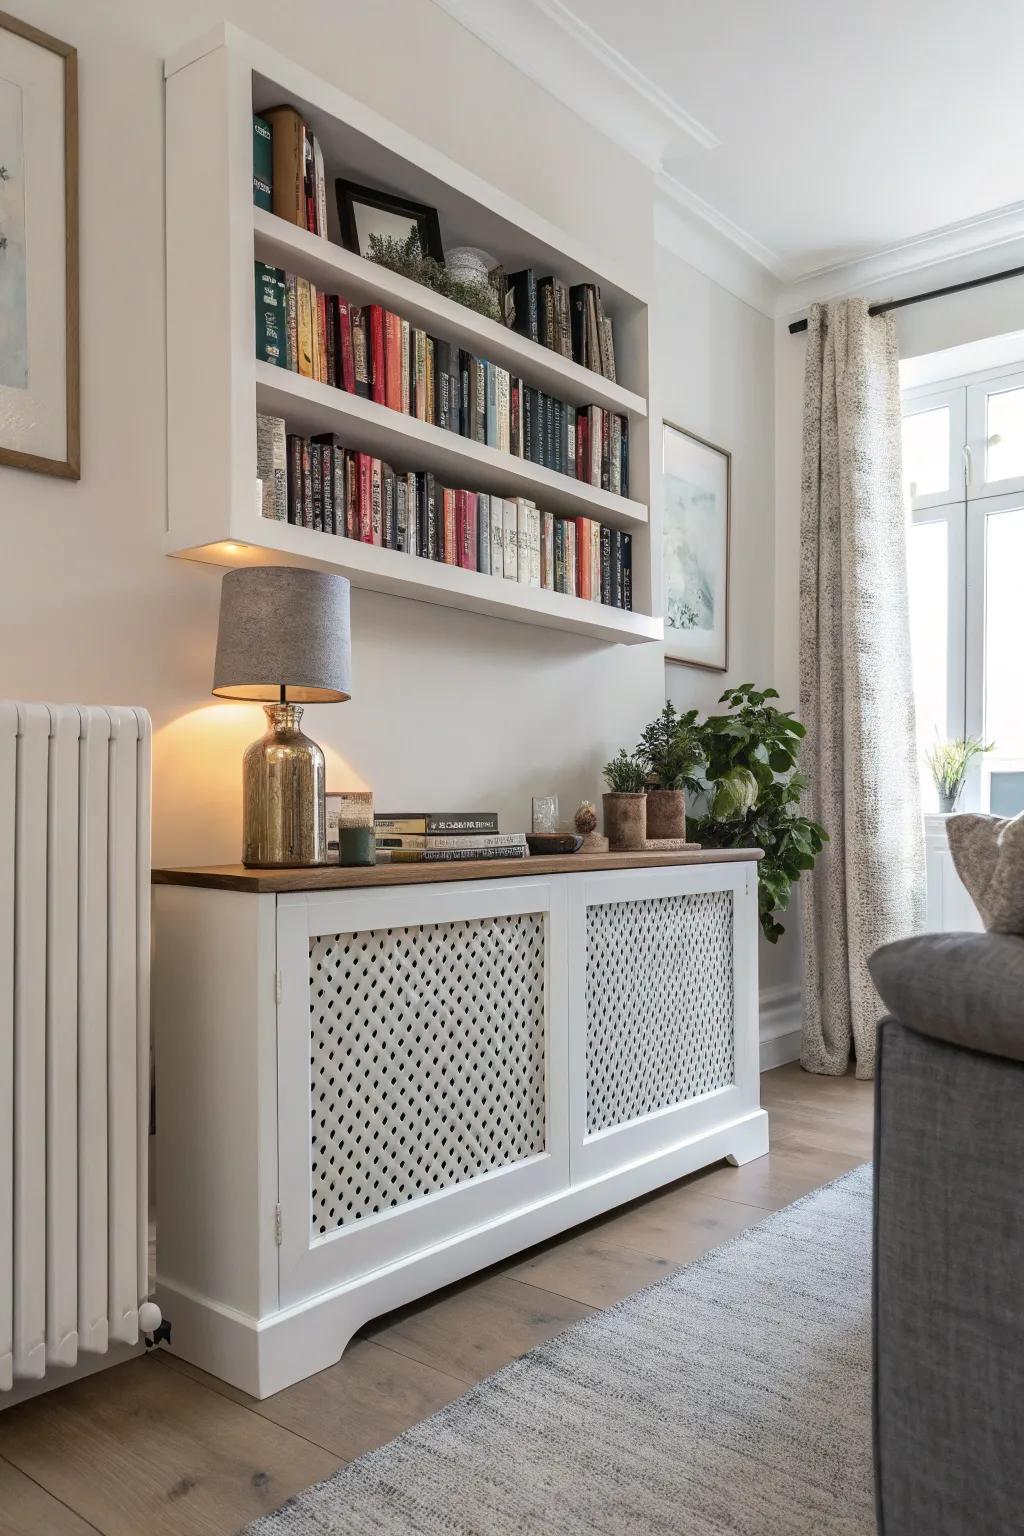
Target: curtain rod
935,293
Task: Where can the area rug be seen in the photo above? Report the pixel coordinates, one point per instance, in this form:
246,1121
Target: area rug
732,1397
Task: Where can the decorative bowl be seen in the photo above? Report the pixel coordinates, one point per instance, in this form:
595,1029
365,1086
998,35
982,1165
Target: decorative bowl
554,842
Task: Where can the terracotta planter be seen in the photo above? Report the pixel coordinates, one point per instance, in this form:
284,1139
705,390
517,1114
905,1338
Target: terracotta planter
666,813
625,822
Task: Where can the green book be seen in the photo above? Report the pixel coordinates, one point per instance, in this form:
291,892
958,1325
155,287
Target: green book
271,316
262,162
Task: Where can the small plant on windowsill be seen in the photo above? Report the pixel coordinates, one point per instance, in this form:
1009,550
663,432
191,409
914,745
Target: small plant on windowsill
950,762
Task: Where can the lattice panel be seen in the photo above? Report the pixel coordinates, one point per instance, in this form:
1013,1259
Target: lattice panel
659,1004
426,1060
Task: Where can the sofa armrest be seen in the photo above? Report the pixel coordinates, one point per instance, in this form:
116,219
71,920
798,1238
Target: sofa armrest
964,988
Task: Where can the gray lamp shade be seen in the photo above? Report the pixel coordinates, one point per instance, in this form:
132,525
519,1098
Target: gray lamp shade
283,627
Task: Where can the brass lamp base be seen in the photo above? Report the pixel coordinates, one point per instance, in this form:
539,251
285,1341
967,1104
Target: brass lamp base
283,778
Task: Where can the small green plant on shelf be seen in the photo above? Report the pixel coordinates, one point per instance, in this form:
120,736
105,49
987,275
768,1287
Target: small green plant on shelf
950,762
671,749
409,259
753,789
624,775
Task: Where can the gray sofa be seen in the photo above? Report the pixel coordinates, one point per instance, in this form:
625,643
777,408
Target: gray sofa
949,1237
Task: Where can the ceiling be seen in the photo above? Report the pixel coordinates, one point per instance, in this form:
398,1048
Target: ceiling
813,133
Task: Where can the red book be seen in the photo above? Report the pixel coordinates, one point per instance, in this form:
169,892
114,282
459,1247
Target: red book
582,451
364,472
465,528
351,495
376,315
347,371
392,361
583,557
451,543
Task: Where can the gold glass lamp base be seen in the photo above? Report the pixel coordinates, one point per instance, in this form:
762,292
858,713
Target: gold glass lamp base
283,822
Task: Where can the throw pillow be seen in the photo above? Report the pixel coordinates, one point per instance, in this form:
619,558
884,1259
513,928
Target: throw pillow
989,857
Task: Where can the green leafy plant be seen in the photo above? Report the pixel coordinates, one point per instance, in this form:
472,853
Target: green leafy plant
753,791
950,761
670,750
624,775
409,259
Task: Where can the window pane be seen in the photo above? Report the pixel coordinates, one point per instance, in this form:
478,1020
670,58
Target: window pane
1004,647
926,452
928,570
1004,429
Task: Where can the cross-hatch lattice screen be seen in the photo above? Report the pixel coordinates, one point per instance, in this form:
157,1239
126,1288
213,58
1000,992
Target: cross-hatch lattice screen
659,1004
427,1050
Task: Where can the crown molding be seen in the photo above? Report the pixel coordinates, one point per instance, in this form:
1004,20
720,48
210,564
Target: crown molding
711,246
962,246
549,44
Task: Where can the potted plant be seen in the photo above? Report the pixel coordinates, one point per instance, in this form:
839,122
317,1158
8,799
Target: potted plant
670,750
753,794
949,762
625,804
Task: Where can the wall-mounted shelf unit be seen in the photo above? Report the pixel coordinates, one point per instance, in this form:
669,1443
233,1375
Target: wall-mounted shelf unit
216,385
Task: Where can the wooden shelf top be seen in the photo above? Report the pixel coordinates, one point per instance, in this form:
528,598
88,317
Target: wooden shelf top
331,877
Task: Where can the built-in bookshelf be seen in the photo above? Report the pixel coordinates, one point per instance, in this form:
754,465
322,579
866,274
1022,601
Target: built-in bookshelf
216,385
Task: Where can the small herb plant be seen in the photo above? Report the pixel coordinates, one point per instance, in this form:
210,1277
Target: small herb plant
408,258
624,775
950,762
671,749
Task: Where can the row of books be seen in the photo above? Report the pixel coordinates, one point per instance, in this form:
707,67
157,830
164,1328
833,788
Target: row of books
288,169
439,837
317,483
370,351
569,321
288,179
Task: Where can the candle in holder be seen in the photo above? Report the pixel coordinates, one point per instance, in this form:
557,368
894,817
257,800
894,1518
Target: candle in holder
350,827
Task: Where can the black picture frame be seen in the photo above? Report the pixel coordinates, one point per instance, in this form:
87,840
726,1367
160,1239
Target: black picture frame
350,193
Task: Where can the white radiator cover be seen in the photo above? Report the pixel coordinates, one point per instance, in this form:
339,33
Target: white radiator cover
74,1032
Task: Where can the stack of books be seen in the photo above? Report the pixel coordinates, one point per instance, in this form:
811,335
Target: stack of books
442,837
370,351
316,483
571,321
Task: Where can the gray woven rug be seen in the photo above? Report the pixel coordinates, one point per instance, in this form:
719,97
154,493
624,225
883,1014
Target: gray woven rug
732,1397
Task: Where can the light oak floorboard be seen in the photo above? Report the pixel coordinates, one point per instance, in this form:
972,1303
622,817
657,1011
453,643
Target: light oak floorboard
28,1510
142,1451
590,1267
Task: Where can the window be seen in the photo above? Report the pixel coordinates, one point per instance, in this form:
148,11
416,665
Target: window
963,468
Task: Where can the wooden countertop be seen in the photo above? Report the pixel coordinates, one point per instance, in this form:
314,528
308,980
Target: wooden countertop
332,877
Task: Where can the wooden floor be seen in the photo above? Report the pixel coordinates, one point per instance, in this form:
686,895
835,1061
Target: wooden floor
157,1448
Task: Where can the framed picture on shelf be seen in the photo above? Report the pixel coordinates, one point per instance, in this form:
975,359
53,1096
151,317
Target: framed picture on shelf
696,483
38,251
364,212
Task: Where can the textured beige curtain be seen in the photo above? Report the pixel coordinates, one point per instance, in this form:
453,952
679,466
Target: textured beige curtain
856,694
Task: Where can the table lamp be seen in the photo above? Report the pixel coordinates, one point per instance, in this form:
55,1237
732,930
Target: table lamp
283,639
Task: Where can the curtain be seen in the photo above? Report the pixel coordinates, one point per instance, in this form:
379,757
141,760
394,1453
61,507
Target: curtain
856,691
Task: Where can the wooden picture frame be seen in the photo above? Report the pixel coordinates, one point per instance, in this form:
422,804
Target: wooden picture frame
47,438
351,195
697,516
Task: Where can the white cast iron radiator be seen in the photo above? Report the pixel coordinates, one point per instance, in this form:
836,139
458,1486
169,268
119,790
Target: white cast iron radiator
74,1032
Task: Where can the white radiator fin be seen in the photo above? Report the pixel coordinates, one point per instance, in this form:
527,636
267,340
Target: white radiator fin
74,1036
427,1060
660,1013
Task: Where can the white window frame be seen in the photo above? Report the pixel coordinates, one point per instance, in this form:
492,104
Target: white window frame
963,508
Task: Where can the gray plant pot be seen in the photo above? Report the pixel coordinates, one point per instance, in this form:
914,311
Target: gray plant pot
947,803
625,821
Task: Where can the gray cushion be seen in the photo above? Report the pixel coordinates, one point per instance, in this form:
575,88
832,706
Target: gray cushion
967,988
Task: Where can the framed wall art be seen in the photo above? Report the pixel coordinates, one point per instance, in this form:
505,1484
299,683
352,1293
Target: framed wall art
696,481
38,251
364,212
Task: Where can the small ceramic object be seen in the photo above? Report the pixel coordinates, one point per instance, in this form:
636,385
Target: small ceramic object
469,263
625,821
356,845
586,817
553,842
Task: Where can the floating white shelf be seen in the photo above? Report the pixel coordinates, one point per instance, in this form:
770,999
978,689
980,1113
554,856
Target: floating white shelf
337,270
215,386
407,443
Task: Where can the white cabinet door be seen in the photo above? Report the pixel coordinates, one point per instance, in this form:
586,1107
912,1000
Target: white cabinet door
422,1058
662,1010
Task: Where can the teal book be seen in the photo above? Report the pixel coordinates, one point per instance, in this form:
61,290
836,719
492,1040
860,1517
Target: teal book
271,316
262,162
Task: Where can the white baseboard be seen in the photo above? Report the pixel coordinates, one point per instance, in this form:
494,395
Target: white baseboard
780,1025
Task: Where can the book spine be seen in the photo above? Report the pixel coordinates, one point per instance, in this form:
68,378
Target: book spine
583,557
376,502
435,526
446,855
451,542
347,372
549,433
352,495
412,495
307,486
309,181
570,441
271,315
430,407
570,558
319,188
615,455
558,458
478,394
608,337
365,468
387,498
323,362
293,449
502,402
443,381
627,570
594,434
497,535
533,531
262,163
437,822
605,481
483,533
615,568
402,513
378,387
392,361
606,565
338,487
360,350
288,160
332,349
304,318
420,380
578,323
546,313
522,541
510,541
547,550
563,320
316,486
491,405
272,467
624,455
471,840
559,543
